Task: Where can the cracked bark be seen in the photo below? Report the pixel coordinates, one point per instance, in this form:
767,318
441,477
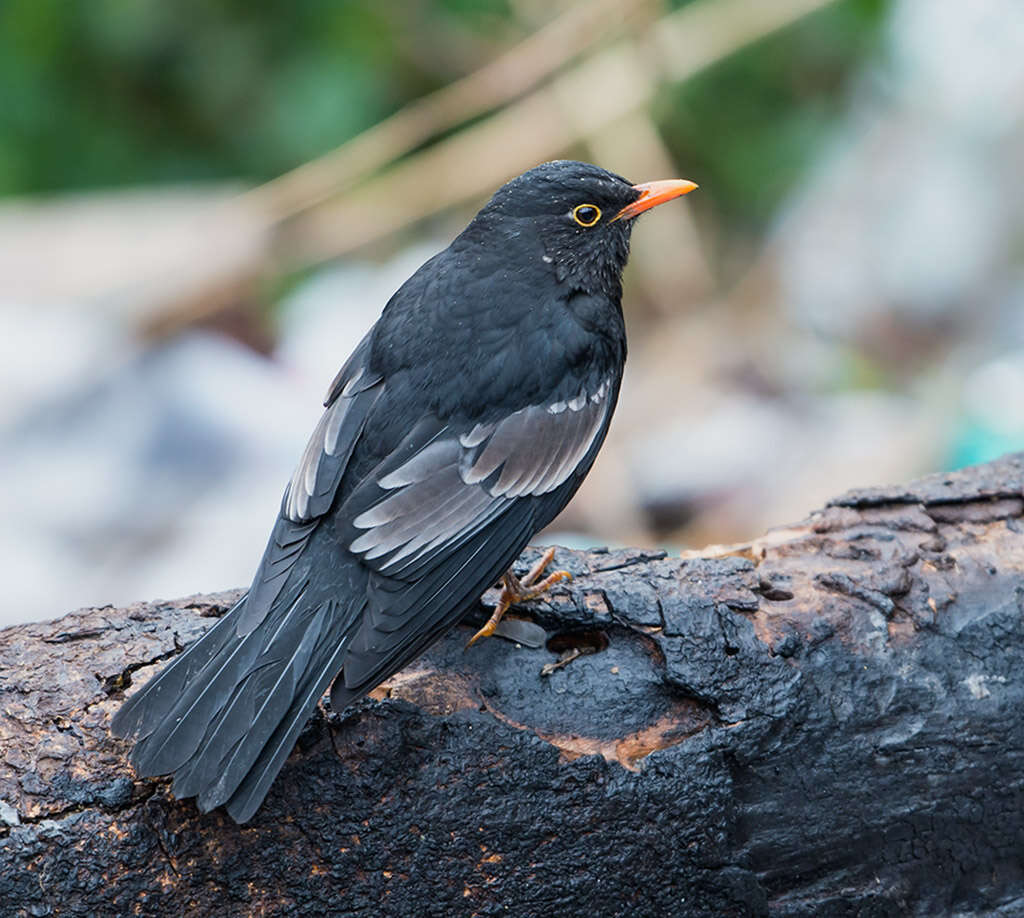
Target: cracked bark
826,721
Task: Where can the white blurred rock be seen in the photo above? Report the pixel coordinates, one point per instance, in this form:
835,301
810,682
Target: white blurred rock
993,395
126,254
163,472
748,463
47,352
917,208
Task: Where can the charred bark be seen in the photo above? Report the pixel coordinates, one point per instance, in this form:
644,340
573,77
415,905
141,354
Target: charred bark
827,721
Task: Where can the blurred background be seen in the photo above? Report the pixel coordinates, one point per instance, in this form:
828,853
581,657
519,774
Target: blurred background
204,205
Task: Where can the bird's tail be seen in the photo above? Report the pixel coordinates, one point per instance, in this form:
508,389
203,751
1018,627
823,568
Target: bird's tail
223,717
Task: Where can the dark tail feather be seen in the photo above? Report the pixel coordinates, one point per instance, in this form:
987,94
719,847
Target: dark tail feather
223,717
250,791
172,736
280,698
140,714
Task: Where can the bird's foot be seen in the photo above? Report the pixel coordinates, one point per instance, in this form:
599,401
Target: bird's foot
528,586
515,590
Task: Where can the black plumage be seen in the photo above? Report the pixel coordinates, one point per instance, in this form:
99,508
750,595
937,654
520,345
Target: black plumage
459,427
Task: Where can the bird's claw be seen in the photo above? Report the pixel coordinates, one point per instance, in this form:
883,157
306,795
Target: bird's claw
546,584
515,591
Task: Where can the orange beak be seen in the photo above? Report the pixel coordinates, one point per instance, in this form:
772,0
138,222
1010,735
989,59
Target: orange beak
652,194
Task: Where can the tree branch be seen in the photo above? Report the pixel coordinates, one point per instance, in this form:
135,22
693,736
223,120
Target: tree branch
826,721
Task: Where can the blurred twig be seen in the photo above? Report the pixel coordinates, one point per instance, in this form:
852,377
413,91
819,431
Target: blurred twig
505,78
575,107
707,31
530,121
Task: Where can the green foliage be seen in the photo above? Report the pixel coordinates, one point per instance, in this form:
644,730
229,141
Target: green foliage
110,92
748,127
114,92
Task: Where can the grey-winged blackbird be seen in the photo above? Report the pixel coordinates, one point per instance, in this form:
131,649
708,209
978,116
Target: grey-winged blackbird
461,425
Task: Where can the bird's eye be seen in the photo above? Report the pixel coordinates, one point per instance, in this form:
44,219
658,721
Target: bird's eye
586,214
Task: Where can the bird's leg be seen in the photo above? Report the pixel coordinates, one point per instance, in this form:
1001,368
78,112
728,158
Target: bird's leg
508,596
515,590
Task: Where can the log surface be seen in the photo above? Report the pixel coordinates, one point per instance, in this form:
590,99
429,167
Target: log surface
827,721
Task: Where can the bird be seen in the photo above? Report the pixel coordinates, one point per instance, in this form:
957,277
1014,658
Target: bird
459,427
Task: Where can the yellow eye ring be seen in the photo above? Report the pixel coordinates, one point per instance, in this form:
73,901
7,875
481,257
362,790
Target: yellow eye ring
586,214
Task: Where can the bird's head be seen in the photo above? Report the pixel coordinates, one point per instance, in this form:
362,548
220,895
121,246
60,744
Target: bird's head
580,214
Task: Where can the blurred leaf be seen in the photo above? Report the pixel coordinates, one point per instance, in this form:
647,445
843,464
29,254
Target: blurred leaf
112,92
748,127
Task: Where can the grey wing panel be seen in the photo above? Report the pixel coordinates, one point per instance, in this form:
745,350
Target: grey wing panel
538,447
424,503
403,617
461,480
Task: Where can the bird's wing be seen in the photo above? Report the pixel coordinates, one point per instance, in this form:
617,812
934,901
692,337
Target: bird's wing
439,520
443,490
311,492
349,401
435,523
